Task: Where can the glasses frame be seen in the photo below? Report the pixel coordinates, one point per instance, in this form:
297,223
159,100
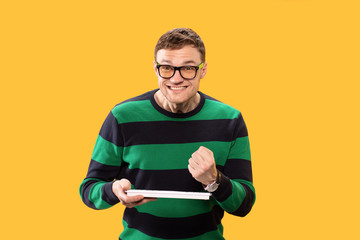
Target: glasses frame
178,68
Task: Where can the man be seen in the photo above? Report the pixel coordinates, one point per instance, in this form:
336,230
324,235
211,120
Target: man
173,138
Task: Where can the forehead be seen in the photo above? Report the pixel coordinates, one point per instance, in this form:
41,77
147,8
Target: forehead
187,54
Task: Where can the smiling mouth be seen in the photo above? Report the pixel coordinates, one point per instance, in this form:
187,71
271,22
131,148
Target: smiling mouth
177,87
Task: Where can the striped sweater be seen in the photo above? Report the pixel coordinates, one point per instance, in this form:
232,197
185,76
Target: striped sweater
151,147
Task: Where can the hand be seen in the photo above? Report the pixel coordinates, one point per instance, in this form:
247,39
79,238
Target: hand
202,166
120,186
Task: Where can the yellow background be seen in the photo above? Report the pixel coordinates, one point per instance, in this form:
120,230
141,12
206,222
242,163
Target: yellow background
290,66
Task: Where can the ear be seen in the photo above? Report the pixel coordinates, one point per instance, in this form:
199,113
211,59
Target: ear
203,70
155,68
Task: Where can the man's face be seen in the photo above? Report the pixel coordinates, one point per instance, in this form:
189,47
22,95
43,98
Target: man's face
178,90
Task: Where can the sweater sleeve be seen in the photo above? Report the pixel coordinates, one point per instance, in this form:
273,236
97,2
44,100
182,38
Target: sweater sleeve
96,189
236,193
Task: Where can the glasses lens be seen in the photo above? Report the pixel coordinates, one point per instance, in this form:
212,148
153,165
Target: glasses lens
166,71
188,72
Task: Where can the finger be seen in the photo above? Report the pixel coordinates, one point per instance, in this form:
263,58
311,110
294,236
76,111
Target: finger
193,163
205,152
201,163
191,170
120,187
141,202
145,200
132,199
125,184
194,172
205,149
196,168
202,155
197,157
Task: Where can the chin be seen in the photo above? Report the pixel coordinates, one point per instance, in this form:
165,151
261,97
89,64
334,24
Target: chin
178,97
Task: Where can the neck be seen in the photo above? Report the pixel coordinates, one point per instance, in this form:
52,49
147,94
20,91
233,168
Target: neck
184,107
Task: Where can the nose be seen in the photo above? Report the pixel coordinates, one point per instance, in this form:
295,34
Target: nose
177,77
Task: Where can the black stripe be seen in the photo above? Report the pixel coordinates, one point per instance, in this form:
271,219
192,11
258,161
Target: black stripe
110,130
181,132
247,203
148,95
238,169
241,130
173,228
164,132
175,180
224,190
85,190
208,97
101,171
108,195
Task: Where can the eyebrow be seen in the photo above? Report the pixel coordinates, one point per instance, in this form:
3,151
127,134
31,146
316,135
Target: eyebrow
166,61
186,62
191,61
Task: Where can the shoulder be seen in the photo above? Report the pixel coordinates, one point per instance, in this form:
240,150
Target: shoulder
219,108
132,105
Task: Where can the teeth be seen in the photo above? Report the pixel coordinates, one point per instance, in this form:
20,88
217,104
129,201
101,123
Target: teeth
177,88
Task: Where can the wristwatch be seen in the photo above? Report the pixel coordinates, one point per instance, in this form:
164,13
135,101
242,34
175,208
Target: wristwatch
213,186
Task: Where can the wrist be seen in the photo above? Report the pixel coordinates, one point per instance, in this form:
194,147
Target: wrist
212,186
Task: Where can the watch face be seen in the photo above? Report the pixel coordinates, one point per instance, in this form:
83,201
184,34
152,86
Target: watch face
212,187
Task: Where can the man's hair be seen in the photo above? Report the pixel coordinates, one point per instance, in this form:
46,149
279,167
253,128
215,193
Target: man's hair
177,38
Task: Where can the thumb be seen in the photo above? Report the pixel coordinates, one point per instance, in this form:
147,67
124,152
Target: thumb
125,184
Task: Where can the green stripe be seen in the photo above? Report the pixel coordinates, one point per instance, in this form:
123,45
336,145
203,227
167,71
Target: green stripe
171,156
131,233
240,149
84,181
137,111
143,111
106,152
231,203
249,184
176,208
95,196
216,110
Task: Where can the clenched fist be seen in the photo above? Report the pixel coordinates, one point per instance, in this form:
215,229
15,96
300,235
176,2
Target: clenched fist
202,166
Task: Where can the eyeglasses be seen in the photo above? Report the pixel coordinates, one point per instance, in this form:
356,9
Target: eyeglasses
186,72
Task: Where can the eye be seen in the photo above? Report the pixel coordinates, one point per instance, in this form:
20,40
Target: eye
187,68
166,68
